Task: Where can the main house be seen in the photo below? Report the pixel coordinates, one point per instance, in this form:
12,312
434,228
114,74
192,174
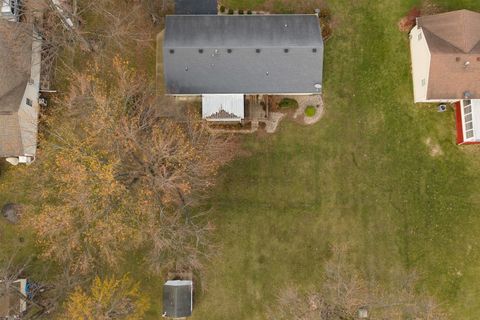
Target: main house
222,58
445,52
20,57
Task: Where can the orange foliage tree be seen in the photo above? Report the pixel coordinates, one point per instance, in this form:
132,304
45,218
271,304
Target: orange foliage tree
120,178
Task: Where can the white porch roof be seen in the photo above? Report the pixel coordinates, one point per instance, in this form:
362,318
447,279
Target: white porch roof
470,120
223,107
476,118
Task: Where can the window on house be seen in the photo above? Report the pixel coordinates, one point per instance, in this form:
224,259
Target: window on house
424,82
468,119
29,102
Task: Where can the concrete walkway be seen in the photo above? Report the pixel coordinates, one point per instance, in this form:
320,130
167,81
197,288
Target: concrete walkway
273,121
160,85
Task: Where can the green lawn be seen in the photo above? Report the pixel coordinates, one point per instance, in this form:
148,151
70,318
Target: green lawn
364,175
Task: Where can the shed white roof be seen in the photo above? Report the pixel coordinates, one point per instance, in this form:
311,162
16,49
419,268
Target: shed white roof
179,283
223,107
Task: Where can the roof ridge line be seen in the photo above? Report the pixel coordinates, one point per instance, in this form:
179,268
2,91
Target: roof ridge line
464,30
433,34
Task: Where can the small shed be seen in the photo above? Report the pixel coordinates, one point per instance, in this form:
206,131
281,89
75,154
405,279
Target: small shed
13,299
178,298
196,7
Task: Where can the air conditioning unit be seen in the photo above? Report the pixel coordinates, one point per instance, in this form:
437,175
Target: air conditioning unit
442,108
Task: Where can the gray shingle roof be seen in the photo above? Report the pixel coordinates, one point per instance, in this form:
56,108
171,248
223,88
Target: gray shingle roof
177,299
243,54
196,6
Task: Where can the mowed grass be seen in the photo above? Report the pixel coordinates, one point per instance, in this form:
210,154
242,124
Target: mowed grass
364,176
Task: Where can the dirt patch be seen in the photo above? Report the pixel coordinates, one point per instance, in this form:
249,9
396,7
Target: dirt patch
408,22
435,149
430,7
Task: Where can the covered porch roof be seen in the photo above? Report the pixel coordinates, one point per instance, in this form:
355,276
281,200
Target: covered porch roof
468,121
223,107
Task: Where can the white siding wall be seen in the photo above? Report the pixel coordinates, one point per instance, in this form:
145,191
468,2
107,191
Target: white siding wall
420,64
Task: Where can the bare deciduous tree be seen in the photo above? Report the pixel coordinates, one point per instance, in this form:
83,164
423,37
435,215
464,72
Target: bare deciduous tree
345,293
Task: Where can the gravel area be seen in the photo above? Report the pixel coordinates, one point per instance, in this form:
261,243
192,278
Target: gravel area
303,102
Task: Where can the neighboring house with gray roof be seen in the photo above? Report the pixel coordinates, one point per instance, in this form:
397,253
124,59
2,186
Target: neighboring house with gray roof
445,51
196,6
20,57
242,55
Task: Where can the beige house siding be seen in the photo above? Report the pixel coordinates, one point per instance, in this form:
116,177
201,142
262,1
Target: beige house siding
421,58
29,114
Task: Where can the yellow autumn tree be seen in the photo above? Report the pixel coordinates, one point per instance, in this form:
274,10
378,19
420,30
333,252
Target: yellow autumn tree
85,218
107,299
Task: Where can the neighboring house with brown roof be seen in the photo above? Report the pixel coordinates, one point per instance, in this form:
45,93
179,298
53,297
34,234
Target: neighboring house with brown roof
20,57
445,52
